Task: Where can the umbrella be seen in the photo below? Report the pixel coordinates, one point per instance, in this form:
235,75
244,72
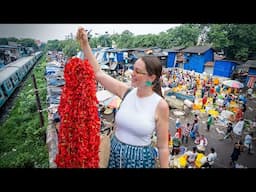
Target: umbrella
233,84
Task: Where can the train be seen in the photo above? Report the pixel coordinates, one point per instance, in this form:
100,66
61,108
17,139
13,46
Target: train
12,75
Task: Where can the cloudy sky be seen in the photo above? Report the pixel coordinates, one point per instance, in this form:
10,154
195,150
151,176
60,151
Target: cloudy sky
45,32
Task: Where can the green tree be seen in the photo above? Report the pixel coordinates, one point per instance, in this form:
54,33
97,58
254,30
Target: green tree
94,42
13,39
71,48
165,40
3,41
105,40
126,39
237,40
115,38
184,35
243,41
218,37
54,45
27,42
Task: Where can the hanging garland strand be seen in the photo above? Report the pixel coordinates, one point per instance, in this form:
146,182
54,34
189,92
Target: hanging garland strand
79,133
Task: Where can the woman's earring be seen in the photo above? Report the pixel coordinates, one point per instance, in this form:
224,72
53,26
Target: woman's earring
148,83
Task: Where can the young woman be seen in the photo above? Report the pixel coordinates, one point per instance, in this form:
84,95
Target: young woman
142,112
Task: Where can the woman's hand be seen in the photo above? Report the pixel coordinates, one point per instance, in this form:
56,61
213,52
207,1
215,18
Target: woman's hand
82,36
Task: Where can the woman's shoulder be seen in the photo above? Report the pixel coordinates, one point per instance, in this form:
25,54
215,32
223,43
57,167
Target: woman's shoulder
163,105
129,89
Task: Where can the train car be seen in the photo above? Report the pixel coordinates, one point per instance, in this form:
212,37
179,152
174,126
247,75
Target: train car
8,82
22,65
3,98
12,74
38,54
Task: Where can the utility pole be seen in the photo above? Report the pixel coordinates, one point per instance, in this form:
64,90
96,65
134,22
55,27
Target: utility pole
39,108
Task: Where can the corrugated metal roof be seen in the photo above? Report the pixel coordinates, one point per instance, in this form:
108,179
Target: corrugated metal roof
175,49
250,63
197,49
6,72
230,60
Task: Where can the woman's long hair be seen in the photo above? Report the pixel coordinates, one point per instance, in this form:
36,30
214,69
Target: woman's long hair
154,67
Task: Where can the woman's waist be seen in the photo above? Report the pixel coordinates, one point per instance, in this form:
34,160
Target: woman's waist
130,140
131,151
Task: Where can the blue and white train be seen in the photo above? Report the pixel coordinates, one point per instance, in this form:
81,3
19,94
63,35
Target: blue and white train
12,75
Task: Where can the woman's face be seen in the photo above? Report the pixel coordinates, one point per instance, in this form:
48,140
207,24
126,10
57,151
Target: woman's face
139,74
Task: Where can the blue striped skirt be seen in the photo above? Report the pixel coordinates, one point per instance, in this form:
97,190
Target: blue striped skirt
129,156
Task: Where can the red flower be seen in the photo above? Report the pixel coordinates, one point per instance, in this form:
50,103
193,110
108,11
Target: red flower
79,132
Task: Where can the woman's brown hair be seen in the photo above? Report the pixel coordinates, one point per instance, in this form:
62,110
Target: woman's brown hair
154,67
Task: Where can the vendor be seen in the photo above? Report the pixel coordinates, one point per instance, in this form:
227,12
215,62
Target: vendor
176,144
239,115
201,140
201,143
191,157
242,98
204,101
211,157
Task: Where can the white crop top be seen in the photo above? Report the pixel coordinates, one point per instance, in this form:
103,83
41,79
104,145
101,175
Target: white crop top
135,119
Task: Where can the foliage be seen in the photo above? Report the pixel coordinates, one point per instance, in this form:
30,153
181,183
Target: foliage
22,140
237,40
28,43
144,41
70,47
54,45
125,39
3,41
94,42
218,37
185,35
104,40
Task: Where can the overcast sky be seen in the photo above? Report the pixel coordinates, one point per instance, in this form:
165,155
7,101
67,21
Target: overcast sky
45,32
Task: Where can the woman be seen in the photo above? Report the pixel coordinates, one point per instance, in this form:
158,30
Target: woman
142,112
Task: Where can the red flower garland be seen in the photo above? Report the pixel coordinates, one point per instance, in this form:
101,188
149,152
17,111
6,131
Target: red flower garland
79,133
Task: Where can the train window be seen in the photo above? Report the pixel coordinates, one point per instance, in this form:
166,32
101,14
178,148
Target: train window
19,75
8,84
15,79
25,69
